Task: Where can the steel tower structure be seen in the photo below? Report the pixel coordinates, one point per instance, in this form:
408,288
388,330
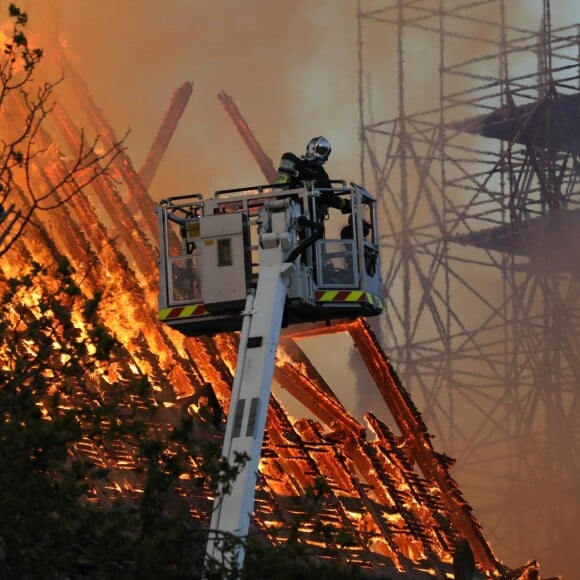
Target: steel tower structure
477,170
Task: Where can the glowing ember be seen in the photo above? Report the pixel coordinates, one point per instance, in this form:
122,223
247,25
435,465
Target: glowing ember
392,515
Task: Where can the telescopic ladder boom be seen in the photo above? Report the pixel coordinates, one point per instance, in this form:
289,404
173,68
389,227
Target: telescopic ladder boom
261,325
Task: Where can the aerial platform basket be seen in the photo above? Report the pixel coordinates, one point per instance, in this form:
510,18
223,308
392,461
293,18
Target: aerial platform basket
209,256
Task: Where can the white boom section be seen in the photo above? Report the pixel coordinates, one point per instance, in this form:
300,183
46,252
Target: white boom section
262,321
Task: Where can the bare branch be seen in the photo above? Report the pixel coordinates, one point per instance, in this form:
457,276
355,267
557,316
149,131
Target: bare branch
35,174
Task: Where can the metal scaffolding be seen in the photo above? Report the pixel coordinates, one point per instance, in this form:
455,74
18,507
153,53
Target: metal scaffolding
477,171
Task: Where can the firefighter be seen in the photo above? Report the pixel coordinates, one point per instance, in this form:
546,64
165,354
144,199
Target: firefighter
347,232
308,171
370,255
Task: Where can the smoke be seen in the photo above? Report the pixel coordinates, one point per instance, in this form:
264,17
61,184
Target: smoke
492,440
291,67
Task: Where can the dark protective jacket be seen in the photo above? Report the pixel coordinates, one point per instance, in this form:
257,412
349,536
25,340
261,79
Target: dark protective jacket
296,171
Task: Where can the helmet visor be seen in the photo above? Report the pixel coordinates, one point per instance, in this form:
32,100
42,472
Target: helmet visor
322,150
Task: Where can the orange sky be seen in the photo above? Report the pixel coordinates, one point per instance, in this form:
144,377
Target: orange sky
291,68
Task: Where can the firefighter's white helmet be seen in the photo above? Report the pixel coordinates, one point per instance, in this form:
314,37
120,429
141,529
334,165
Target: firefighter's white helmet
318,149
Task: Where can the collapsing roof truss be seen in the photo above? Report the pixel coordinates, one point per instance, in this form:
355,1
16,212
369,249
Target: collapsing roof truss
393,492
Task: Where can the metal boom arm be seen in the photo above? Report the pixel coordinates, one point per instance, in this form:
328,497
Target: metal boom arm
262,321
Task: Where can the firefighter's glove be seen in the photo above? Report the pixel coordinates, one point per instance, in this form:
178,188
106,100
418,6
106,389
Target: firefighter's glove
346,206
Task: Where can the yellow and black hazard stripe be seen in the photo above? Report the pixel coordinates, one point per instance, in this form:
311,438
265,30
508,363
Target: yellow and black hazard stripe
182,311
353,296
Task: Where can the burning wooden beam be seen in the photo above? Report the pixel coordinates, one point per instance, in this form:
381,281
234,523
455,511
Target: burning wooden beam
137,244
390,471
137,195
264,162
84,238
414,433
298,356
323,404
168,126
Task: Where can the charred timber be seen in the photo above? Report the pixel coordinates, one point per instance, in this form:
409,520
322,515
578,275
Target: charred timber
415,434
264,162
316,398
299,357
113,263
169,123
138,196
139,247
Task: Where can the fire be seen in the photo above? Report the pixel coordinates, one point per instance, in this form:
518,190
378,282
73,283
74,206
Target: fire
4,38
375,495
410,547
